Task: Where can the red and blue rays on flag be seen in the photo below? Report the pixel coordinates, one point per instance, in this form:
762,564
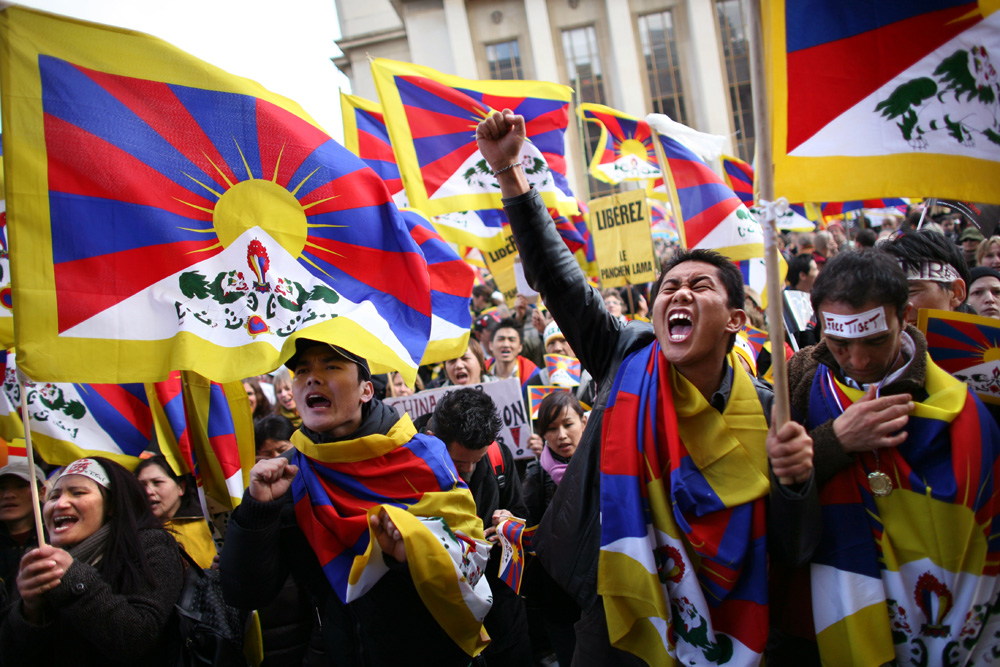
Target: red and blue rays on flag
739,177
451,289
432,119
537,394
515,538
711,215
757,338
365,135
625,151
148,180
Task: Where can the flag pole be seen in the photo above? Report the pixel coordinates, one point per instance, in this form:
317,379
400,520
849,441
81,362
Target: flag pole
765,191
22,380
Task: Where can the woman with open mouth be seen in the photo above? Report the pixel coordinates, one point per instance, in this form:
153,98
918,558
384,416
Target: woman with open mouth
284,402
102,592
179,512
468,368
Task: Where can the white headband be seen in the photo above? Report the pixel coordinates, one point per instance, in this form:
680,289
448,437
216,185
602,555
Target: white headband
856,326
88,468
938,272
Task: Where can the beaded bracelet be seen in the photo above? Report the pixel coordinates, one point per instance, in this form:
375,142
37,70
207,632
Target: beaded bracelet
508,167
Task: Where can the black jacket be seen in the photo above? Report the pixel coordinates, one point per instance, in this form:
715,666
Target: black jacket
388,625
88,623
568,537
10,560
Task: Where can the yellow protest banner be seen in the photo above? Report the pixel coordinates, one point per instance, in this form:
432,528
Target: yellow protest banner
500,263
623,244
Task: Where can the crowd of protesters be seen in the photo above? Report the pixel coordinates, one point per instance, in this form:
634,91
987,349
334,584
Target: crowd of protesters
676,523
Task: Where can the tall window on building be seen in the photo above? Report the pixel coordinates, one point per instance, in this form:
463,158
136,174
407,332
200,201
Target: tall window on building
736,50
504,59
583,65
663,71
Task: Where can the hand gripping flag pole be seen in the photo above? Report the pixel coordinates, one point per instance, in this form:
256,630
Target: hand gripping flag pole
765,195
22,380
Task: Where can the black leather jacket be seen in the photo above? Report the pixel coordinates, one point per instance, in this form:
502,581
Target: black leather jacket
568,537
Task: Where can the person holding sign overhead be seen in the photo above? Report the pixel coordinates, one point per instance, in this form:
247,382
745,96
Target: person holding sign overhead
630,564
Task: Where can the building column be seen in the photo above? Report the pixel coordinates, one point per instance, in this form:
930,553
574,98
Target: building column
457,20
709,93
543,50
626,75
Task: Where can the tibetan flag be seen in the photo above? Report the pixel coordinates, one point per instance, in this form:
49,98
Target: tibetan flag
894,98
515,540
10,401
166,402
168,215
451,290
712,217
365,136
221,433
537,393
739,177
758,339
563,371
6,303
836,208
625,151
432,119
411,477
967,346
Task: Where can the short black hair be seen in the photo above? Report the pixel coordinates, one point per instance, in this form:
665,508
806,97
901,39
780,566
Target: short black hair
857,278
729,273
483,291
272,427
798,266
915,247
468,417
507,323
866,237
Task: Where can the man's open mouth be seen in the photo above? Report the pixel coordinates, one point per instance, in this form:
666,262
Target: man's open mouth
317,401
679,326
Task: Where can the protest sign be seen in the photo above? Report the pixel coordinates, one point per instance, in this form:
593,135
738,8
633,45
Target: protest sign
623,244
500,262
506,394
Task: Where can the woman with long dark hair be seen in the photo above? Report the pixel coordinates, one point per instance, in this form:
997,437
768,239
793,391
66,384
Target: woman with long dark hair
103,591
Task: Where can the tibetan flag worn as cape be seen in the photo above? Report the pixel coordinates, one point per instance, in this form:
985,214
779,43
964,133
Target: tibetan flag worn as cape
170,216
625,151
451,291
432,119
894,98
340,484
911,577
365,136
683,562
525,372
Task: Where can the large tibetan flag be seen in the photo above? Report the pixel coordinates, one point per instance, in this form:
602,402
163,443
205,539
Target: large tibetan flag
451,290
432,119
711,216
893,98
365,135
167,215
625,151
836,208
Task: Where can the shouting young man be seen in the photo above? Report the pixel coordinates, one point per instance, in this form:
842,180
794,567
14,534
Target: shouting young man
658,527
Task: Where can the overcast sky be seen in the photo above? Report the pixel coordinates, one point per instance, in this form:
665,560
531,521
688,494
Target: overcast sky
286,47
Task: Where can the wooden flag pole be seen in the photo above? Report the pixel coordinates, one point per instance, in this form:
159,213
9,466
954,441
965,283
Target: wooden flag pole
764,177
22,380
